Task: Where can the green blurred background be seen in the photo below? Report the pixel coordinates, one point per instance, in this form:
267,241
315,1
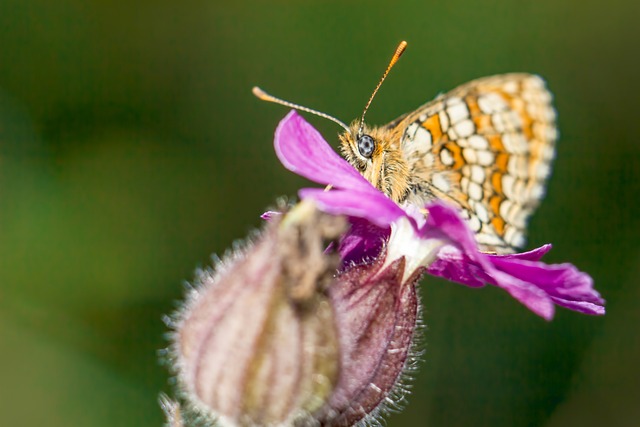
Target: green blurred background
131,149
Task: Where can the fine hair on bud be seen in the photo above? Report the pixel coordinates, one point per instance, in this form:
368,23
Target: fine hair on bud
256,342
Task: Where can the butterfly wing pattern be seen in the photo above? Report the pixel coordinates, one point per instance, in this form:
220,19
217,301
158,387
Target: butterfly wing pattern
486,146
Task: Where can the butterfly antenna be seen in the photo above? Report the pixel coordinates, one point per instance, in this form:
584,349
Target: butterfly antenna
260,94
398,53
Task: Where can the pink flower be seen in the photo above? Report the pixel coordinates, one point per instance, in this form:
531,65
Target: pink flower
442,244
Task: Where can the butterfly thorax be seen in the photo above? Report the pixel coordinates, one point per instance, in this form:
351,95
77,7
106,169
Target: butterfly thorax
377,155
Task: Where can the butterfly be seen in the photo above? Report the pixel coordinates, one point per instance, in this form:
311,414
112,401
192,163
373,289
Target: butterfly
485,147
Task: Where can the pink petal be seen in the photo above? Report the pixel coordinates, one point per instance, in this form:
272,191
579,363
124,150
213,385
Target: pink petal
269,215
302,150
374,207
532,255
362,243
535,284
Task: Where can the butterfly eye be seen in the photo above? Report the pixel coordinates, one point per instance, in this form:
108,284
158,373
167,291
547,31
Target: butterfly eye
366,145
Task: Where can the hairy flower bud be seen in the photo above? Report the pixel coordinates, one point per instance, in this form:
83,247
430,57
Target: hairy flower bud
256,343
377,312
278,335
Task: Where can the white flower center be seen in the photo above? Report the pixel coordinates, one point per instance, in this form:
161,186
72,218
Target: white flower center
403,242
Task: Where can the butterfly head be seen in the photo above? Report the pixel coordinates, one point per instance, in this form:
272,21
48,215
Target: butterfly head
373,152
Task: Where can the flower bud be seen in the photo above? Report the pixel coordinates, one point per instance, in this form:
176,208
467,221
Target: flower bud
273,336
256,343
377,313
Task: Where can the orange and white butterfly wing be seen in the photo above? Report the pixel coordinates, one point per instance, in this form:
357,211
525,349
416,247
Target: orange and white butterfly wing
486,146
